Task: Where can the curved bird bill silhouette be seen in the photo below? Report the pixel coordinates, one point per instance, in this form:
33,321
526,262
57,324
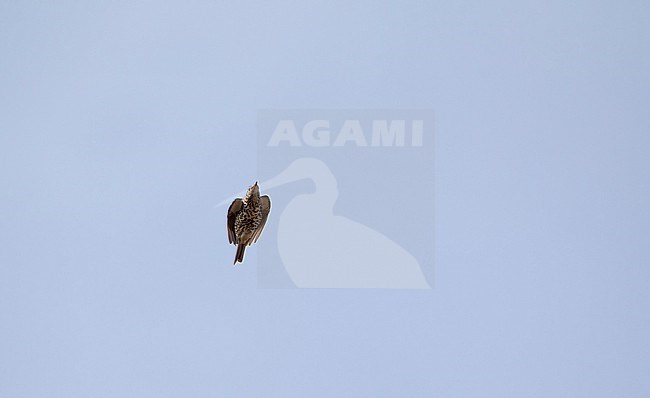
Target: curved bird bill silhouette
246,219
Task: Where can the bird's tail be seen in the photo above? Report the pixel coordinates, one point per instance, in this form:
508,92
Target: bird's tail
239,256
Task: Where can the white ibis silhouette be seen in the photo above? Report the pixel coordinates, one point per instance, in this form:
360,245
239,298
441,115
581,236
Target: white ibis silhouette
323,250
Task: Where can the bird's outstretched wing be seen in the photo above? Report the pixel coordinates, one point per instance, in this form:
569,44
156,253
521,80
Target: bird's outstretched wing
265,202
233,210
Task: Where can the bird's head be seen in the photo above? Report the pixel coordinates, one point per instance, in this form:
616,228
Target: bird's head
252,193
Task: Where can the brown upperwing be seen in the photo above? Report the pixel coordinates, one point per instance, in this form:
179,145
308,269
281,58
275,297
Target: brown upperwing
265,202
234,208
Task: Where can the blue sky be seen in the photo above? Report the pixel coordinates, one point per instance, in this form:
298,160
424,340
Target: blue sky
123,124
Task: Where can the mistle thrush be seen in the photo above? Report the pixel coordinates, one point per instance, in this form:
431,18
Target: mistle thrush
246,219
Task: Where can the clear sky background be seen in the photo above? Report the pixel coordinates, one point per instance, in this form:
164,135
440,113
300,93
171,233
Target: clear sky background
121,125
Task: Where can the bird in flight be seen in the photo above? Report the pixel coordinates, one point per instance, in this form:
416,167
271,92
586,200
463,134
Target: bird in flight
246,219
